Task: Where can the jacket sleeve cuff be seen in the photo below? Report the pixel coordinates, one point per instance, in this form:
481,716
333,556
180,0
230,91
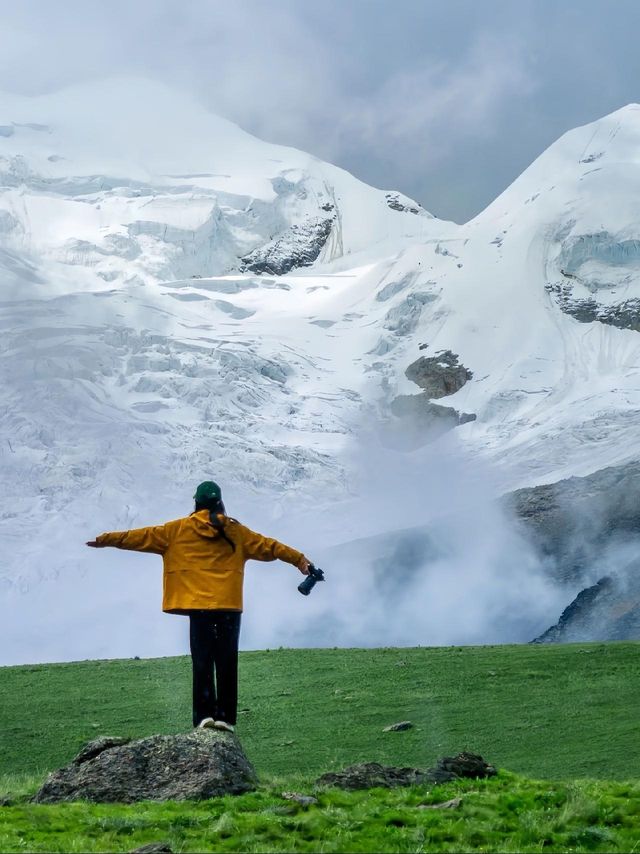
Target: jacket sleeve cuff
109,539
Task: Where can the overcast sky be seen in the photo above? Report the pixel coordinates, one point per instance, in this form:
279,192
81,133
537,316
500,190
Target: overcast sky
447,101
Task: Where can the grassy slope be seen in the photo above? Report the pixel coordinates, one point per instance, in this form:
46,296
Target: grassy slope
557,712
546,711
503,814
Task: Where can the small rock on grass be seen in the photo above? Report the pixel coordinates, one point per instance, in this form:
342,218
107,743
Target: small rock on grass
154,848
303,800
465,764
399,727
370,775
453,804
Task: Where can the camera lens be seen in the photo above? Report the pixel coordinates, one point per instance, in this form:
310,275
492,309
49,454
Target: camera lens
306,586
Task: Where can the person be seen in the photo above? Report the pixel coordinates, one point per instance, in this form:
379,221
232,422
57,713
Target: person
204,556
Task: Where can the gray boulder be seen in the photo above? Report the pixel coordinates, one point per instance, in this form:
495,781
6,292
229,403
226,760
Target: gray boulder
187,766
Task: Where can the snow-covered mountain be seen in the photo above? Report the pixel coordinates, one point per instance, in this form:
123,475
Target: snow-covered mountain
181,301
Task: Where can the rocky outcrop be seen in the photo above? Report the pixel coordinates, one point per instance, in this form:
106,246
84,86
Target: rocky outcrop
573,521
372,775
298,246
624,314
432,418
403,204
439,376
188,766
599,275
582,528
608,610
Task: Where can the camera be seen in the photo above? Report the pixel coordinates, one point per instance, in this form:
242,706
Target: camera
311,580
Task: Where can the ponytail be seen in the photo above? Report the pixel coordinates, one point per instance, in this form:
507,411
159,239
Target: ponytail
216,507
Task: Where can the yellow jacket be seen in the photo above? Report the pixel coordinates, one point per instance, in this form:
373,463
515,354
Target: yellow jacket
200,568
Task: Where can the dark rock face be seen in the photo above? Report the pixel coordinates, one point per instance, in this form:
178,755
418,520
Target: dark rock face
576,525
574,520
432,418
298,246
597,269
195,765
397,204
608,610
371,775
623,315
438,375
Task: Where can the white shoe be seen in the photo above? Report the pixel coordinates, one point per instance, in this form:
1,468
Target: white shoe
224,725
206,723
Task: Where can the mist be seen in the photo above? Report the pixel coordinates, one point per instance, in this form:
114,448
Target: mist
427,556
419,554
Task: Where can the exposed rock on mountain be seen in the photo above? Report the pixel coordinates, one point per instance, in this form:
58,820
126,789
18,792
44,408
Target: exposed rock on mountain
582,526
597,271
431,418
608,610
299,246
439,375
398,202
575,520
191,766
624,314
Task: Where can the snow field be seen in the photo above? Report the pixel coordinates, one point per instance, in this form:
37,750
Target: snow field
138,359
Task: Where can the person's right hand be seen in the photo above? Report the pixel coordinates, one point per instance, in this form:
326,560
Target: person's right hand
303,565
94,544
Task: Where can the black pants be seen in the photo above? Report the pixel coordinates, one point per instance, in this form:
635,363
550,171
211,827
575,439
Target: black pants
214,644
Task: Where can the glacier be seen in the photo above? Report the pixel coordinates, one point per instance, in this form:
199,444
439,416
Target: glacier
181,300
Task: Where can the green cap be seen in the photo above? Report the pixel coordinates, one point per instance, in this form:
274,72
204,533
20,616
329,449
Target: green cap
208,491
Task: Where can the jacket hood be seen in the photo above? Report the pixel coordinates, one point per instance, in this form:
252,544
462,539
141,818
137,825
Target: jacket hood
202,523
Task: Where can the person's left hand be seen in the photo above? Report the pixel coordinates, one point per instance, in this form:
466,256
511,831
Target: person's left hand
303,565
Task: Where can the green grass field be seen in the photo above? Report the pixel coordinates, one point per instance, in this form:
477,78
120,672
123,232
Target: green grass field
556,714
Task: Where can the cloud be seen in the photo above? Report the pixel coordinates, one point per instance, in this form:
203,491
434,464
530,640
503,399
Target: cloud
433,103
446,102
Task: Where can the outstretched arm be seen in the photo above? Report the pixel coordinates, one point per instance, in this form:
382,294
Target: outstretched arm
257,547
153,539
